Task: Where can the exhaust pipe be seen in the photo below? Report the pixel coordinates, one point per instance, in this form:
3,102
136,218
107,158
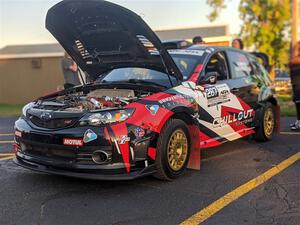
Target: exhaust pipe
100,157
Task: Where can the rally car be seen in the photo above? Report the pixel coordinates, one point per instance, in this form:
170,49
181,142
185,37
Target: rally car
147,111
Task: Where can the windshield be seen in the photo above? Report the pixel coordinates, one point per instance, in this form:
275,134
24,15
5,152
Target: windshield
186,64
138,75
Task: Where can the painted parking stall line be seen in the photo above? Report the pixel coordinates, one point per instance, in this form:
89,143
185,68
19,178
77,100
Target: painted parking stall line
6,156
7,142
290,133
222,202
7,135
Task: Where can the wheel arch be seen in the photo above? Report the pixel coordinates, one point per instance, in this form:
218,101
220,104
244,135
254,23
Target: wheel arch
276,108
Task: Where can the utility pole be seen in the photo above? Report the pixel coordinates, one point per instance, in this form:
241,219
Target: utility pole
294,47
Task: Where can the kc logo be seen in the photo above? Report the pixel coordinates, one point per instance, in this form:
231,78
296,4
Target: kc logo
124,139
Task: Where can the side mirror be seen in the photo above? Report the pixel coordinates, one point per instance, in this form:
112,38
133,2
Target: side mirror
211,78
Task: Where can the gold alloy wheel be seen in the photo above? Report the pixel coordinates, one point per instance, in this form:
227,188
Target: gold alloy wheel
269,122
177,150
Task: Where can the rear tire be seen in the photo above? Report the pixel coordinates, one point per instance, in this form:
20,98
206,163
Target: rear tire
173,150
266,123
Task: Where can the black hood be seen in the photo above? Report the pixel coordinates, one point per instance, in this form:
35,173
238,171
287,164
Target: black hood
101,36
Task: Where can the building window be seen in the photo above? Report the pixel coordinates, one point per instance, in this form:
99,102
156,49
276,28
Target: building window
36,63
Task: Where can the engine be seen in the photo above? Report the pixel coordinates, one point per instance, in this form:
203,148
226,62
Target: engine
94,100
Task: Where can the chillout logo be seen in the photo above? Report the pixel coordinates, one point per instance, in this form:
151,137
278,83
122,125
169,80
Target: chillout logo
237,117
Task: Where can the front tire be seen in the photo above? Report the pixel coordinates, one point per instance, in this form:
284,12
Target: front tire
173,150
266,123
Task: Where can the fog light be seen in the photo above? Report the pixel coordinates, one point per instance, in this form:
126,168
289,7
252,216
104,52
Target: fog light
100,157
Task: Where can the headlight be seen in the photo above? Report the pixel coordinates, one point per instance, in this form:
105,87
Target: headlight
26,107
105,117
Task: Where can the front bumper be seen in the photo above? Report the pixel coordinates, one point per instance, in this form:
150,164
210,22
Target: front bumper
44,151
28,163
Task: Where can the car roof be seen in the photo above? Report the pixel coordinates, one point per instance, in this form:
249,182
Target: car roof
214,48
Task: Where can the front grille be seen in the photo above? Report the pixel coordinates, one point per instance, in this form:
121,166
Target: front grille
53,153
53,123
62,153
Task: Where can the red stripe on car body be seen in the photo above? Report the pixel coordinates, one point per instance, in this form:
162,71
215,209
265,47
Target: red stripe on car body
120,131
195,76
152,153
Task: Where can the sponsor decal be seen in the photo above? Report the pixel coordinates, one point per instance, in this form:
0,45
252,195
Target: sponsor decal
139,132
152,108
124,139
240,118
217,94
89,136
18,133
73,141
187,52
171,98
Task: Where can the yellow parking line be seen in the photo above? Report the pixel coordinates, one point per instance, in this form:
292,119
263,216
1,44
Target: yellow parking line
290,133
6,154
222,202
7,142
5,135
6,158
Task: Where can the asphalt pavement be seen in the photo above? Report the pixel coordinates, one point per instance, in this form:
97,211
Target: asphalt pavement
30,198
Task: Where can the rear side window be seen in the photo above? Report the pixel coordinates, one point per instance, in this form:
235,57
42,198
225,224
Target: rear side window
240,65
260,70
257,67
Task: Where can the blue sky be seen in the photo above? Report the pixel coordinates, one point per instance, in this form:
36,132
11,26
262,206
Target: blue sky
22,21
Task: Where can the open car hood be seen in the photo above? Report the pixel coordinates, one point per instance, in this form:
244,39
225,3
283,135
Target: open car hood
101,36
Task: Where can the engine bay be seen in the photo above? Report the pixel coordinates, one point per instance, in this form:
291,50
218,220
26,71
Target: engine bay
94,100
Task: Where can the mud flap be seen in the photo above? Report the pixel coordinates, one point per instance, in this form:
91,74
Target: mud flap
195,151
276,109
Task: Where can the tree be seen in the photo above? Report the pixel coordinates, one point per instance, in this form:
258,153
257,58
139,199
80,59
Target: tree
217,6
266,27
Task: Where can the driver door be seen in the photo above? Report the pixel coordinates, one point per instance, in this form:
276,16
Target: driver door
220,111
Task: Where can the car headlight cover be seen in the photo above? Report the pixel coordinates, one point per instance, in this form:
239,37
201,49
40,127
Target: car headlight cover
105,117
26,107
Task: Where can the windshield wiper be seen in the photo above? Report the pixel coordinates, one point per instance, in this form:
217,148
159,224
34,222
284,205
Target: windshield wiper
135,81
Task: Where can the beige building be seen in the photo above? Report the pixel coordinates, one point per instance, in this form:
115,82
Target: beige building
30,71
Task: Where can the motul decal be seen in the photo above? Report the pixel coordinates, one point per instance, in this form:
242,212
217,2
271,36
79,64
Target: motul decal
73,142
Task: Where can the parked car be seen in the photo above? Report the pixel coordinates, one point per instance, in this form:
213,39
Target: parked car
176,44
282,82
149,110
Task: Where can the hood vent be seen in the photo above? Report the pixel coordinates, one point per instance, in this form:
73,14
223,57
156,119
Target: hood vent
83,52
148,45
